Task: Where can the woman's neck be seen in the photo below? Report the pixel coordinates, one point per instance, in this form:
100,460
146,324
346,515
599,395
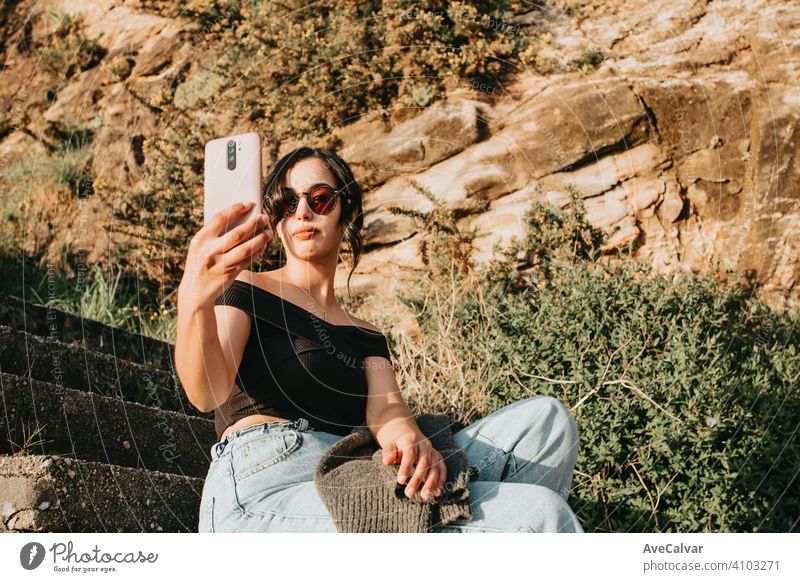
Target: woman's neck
316,280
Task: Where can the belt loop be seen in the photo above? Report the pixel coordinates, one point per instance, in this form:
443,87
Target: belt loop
302,424
218,449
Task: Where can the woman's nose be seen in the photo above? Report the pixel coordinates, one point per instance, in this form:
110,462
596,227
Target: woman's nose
303,209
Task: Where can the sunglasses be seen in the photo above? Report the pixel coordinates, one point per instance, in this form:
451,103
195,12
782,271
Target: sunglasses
321,199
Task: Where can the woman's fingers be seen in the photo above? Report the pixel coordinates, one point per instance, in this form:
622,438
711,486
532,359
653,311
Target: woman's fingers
409,453
431,481
241,233
442,474
437,485
390,454
237,268
429,471
217,224
420,473
245,251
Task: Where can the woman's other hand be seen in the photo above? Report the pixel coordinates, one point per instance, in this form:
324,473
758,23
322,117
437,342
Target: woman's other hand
214,259
415,452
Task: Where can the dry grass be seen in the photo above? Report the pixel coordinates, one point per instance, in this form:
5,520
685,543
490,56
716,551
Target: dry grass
442,371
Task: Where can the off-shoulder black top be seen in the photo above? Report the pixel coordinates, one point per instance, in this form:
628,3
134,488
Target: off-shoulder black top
298,365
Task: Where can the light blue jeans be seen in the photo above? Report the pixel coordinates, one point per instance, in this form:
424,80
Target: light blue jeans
261,478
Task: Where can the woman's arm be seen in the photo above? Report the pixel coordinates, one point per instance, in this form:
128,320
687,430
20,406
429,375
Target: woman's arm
207,355
396,431
385,404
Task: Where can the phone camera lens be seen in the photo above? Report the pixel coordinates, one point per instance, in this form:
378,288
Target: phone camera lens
231,155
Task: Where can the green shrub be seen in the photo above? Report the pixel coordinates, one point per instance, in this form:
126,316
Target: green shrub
67,51
589,58
684,390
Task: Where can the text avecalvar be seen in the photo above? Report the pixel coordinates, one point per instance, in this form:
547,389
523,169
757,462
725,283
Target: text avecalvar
672,549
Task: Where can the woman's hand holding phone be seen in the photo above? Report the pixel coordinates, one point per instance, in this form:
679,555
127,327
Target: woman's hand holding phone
215,259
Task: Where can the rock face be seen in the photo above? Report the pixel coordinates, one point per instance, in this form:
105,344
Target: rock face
683,142
677,122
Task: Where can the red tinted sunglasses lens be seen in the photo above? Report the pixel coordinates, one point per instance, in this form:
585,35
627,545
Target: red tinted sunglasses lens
322,199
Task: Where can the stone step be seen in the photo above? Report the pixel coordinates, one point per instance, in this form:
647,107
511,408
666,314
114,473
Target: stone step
68,328
71,366
93,427
49,493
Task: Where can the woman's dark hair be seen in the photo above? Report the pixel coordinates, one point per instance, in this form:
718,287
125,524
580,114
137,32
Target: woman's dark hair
352,215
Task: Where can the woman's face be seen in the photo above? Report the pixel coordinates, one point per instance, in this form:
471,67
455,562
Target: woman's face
325,241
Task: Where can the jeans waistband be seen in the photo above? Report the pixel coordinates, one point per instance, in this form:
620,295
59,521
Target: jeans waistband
299,424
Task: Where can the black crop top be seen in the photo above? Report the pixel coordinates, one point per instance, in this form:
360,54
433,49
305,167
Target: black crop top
298,365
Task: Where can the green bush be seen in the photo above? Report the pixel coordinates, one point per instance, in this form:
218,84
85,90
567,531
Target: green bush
589,58
684,390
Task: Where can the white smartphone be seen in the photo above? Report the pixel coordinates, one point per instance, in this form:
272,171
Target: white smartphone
232,174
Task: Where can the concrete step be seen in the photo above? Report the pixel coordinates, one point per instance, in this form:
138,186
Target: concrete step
68,328
99,428
71,366
49,493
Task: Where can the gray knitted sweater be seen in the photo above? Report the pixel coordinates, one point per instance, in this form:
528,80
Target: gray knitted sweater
363,495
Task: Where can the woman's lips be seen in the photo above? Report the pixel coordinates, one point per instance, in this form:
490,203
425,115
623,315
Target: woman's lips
306,234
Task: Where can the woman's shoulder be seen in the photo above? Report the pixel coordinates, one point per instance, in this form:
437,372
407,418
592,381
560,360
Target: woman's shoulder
250,277
362,323
262,280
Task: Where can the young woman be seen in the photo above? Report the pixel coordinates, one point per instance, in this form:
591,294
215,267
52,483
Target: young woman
288,372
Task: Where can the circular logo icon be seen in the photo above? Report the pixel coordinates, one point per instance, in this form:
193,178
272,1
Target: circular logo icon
31,555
